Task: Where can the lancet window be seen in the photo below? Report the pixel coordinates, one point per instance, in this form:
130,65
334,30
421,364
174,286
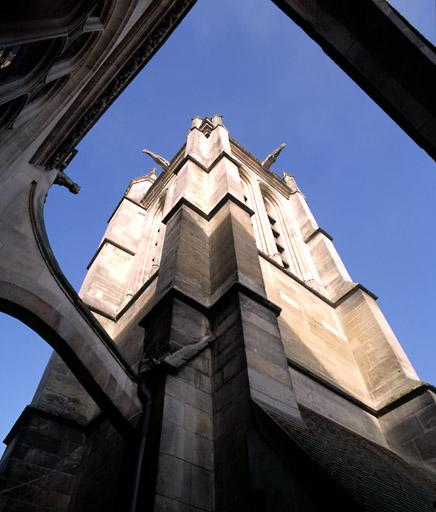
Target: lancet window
156,239
278,232
289,249
250,201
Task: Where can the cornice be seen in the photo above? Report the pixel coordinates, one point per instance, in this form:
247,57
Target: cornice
110,242
390,405
207,216
355,286
124,198
317,231
209,309
31,411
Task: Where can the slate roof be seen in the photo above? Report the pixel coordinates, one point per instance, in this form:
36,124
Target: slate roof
372,476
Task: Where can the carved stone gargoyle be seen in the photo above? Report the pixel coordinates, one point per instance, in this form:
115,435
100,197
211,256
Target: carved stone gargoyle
272,157
160,160
64,180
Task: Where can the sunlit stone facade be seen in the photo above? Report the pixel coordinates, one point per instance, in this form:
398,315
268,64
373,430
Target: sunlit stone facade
220,357
250,338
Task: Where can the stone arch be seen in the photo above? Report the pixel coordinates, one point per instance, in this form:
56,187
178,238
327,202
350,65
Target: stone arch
63,367
34,290
65,335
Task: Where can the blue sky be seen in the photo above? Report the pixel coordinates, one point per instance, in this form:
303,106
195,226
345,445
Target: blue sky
367,183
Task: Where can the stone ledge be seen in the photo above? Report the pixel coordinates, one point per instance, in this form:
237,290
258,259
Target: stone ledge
317,231
111,242
139,205
99,311
184,160
126,307
31,410
209,309
137,295
325,299
222,155
377,412
207,216
207,169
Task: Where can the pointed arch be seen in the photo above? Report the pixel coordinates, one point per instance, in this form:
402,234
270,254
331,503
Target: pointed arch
153,239
68,336
250,200
283,253
292,252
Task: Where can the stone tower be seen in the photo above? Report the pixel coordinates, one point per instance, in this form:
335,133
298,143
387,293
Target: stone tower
263,370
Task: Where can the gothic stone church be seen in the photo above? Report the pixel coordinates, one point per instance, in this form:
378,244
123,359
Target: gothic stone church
218,357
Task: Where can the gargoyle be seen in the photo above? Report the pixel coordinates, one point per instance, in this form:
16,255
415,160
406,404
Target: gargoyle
271,158
160,160
65,181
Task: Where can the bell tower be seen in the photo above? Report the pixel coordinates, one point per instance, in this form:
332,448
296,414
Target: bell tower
264,371
246,305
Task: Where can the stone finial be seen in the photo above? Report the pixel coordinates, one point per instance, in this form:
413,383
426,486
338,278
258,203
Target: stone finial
217,120
272,157
196,122
138,187
160,160
152,175
290,182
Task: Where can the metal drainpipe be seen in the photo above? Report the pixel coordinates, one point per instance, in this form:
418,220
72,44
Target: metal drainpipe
145,397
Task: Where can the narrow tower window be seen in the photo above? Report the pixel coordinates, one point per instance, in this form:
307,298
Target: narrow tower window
249,200
275,229
157,231
281,250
